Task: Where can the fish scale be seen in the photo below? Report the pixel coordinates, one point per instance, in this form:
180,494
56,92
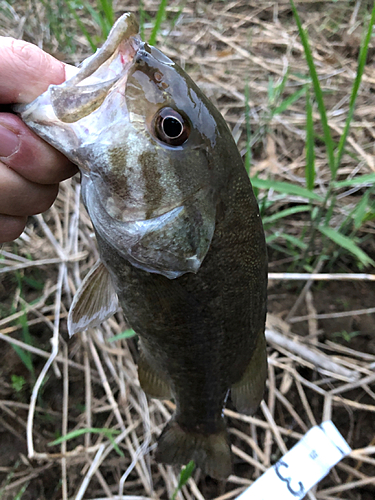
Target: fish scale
180,238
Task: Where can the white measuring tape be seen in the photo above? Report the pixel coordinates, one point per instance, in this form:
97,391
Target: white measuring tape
302,467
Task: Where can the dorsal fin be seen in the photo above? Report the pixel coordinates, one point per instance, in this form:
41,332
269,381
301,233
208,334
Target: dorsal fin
94,302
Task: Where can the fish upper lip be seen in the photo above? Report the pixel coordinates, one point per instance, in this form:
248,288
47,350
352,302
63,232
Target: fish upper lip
99,76
123,40
113,68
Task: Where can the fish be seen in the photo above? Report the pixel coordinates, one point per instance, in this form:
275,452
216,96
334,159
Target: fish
180,238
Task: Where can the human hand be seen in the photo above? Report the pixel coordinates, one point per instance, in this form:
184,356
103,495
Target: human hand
30,169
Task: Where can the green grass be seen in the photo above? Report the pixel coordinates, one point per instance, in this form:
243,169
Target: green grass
346,336
21,492
25,356
67,17
185,474
18,382
102,15
108,433
60,22
8,480
127,334
336,240
158,20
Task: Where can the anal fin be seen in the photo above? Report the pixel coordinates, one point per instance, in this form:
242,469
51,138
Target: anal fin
248,392
152,380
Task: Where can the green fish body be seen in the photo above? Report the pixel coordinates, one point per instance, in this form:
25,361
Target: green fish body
179,233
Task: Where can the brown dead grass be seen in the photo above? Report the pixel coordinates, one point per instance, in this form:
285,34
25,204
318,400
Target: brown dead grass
92,382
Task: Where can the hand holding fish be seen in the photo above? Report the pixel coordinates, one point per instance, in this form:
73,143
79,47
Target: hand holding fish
30,169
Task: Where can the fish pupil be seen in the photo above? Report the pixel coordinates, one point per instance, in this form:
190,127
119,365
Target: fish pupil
172,127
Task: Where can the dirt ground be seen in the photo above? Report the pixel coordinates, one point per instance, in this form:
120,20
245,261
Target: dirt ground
92,383
335,336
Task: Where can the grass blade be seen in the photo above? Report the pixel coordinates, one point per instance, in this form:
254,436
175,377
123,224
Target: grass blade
175,19
368,179
361,66
107,8
285,187
294,241
318,92
360,212
79,432
285,213
288,102
288,238
185,474
99,19
25,356
127,334
310,150
348,244
82,27
108,433
159,19
22,491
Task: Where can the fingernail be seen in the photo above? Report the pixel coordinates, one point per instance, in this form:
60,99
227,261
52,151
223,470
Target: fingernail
9,141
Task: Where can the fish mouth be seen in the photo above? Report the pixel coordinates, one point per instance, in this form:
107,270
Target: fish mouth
83,93
99,74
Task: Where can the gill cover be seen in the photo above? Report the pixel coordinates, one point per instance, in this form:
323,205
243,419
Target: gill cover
171,244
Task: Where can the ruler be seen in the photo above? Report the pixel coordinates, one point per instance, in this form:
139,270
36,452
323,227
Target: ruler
320,449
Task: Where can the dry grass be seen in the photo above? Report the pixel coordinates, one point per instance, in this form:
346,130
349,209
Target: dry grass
222,44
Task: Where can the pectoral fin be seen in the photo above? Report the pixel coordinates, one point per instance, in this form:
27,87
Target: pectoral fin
248,392
94,302
152,381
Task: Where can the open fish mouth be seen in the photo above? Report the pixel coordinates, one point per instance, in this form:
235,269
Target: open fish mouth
97,76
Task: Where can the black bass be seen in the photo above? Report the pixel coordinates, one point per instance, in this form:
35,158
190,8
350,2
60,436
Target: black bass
179,233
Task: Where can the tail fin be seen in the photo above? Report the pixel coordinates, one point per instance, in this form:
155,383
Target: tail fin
210,452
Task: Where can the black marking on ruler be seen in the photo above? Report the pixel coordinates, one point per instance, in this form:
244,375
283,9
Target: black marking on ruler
288,480
334,444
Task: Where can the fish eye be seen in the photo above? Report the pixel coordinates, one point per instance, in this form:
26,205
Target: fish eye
171,127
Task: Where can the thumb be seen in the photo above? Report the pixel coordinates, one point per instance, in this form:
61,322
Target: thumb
26,71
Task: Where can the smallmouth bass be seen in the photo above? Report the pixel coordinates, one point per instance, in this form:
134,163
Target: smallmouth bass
179,233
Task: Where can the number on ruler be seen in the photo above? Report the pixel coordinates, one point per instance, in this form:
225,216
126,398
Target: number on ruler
288,480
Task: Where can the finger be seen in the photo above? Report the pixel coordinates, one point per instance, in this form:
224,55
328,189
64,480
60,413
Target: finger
30,156
26,71
11,227
21,197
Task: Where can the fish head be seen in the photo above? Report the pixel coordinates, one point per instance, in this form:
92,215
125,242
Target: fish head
145,140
